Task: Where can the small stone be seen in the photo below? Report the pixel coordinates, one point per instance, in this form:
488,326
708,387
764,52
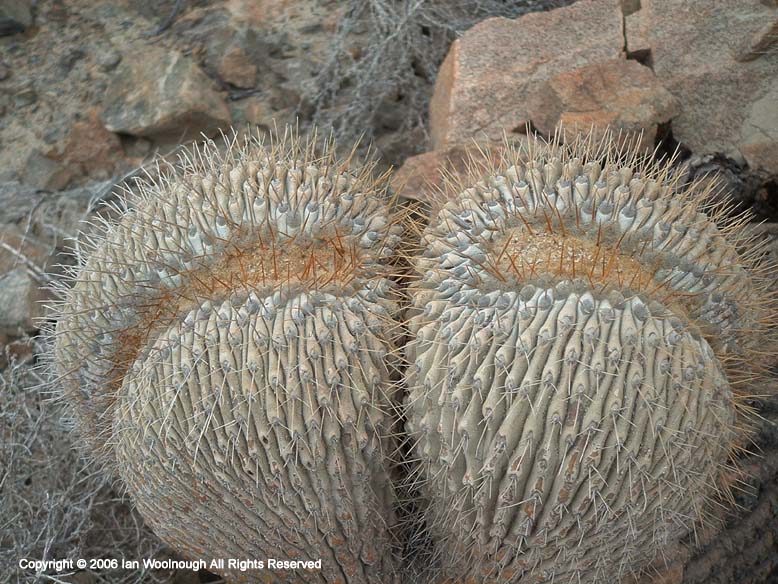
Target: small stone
108,59
44,172
5,72
20,293
483,84
25,97
236,68
69,60
163,94
621,94
51,136
257,110
260,12
17,200
85,149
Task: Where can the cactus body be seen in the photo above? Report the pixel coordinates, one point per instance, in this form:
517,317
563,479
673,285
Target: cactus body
227,349
580,331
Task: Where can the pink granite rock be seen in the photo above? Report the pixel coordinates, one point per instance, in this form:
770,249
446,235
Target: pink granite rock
712,56
491,71
623,95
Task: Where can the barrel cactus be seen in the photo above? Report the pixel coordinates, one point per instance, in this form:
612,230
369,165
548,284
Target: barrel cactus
227,350
583,333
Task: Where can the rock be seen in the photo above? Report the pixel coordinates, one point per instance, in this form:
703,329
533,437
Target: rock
60,216
70,59
15,16
487,76
728,103
21,256
422,177
108,58
91,148
45,172
17,200
759,132
636,35
87,149
163,94
25,96
760,42
396,147
419,177
624,95
260,12
257,110
236,68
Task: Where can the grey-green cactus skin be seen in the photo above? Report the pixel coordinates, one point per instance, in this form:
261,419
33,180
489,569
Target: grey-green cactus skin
227,350
577,326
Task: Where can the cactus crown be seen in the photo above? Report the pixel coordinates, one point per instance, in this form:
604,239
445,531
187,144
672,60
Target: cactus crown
608,216
265,223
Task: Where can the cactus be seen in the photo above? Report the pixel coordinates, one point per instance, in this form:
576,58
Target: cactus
584,334
227,348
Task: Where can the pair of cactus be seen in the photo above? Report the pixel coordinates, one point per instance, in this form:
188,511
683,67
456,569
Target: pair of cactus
557,386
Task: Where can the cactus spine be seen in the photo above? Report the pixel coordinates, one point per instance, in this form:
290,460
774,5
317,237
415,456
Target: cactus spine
583,334
227,348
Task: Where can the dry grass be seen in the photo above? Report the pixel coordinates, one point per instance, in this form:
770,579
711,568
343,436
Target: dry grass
388,81
54,504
